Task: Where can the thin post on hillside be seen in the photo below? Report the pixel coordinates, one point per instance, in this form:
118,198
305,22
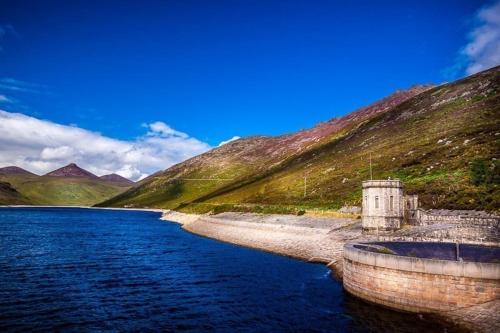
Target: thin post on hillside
305,186
371,171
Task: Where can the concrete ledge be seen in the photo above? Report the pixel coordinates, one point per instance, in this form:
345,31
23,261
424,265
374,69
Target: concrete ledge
383,183
417,284
475,270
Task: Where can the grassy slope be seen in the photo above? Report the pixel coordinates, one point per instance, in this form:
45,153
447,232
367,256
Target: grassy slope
241,162
47,190
169,189
404,144
10,196
428,141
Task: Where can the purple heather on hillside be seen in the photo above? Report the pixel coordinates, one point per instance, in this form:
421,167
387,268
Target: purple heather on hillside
72,170
116,178
14,170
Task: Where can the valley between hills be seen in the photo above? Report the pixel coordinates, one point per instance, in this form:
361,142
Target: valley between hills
69,185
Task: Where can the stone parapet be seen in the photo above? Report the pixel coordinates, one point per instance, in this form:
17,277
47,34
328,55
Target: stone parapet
382,183
425,217
418,284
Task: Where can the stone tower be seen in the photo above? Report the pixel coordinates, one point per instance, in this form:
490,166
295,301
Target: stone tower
383,205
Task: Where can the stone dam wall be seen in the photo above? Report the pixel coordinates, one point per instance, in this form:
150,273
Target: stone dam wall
452,226
418,284
462,218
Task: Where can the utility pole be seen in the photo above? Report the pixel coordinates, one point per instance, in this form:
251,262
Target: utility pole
371,172
305,186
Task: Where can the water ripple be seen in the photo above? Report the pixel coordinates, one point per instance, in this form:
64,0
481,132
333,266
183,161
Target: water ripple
93,270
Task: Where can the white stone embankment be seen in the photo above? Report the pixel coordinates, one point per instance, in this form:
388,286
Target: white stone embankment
310,239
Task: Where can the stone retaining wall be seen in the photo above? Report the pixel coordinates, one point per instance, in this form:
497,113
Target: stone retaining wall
416,284
450,233
424,217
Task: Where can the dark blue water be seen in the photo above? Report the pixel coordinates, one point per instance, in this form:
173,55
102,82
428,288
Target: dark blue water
94,270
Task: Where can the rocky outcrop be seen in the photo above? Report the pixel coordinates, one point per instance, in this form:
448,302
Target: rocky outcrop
72,170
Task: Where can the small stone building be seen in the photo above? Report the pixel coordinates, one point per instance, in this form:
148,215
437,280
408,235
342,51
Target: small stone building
386,208
383,205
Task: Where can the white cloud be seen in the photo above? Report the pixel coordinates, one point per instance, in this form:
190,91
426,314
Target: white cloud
483,50
11,84
234,138
57,153
41,146
5,99
162,129
6,30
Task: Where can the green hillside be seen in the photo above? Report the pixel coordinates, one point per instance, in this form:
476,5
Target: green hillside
443,142
47,190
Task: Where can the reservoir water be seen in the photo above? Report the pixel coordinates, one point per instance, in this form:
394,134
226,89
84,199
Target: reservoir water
87,270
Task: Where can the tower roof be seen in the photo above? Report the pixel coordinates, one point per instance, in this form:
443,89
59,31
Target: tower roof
383,183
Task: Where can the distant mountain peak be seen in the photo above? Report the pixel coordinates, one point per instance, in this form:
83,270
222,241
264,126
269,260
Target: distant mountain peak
72,170
14,170
116,178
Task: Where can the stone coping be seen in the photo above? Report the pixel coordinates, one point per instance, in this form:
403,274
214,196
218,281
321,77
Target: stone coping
383,183
382,216
476,270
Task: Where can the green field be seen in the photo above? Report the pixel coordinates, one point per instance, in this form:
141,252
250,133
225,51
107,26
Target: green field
46,190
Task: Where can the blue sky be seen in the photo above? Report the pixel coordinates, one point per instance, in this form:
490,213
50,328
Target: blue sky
218,69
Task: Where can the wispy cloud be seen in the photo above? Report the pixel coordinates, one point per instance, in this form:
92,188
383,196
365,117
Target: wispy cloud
159,128
234,138
5,99
41,146
483,48
5,31
14,85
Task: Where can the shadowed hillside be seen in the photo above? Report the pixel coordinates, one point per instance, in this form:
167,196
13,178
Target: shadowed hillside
10,196
441,141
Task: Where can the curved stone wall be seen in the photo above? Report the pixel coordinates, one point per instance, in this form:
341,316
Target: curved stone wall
418,284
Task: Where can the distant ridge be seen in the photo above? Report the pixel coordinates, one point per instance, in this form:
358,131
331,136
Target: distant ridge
72,170
67,186
14,170
116,178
